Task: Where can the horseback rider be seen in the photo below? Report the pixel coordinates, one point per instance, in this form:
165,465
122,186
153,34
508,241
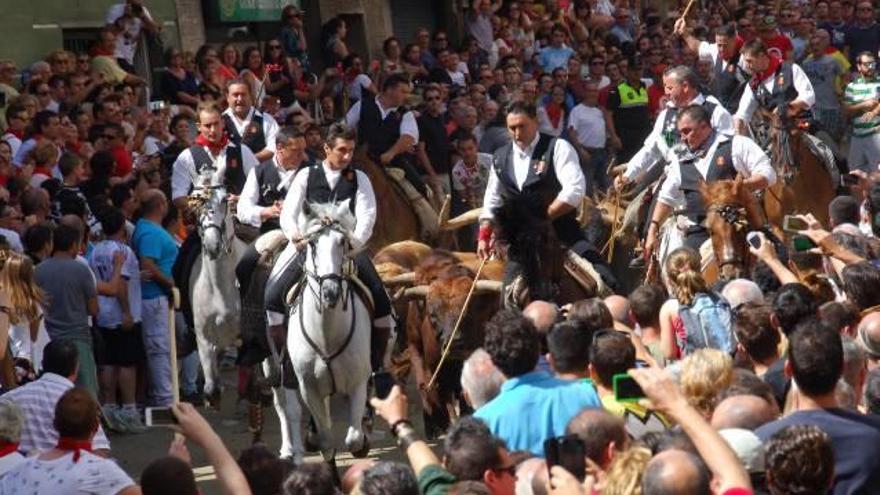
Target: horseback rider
730,76
389,129
707,156
245,124
225,162
777,86
682,87
334,179
537,163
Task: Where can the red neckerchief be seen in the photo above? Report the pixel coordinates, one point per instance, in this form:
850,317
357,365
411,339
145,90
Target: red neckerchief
68,444
215,148
554,112
100,52
7,448
774,64
18,134
830,50
42,170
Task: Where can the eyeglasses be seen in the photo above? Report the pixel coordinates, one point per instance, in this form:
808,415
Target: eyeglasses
745,26
432,98
274,47
109,137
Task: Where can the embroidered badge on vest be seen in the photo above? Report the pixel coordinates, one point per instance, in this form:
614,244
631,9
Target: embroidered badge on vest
780,80
349,175
540,166
731,67
721,162
251,130
232,162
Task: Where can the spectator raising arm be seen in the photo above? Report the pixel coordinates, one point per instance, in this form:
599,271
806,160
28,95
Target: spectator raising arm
665,396
393,410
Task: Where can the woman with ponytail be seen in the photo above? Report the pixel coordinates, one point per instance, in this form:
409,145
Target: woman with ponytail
683,281
27,335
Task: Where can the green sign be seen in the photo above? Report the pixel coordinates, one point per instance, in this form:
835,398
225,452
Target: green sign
253,10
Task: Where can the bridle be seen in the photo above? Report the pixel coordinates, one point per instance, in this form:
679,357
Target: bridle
343,278
735,216
200,200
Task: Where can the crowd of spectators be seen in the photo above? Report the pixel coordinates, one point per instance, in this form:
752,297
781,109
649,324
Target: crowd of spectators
88,237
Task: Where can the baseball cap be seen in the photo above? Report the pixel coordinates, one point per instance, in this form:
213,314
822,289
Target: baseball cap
748,448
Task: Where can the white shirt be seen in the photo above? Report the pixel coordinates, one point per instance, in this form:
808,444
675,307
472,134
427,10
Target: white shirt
364,204
184,173
37,401
356,87
655,147
101,263
126,41
565,164
270,126
546,126
13,141
248,210
710,50
748,159
408,123
589,125
91,474
748,103
457,77
153,145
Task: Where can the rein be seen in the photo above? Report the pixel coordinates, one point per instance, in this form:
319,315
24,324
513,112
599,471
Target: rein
735,216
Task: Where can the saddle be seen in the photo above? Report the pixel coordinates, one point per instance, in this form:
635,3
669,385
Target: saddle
577,267
428,218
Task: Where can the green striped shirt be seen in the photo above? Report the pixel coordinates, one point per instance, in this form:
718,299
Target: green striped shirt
858,91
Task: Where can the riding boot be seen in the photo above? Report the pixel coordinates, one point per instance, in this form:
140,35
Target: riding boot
378,346
277,336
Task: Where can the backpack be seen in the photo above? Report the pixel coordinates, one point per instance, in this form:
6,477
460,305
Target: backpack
707,324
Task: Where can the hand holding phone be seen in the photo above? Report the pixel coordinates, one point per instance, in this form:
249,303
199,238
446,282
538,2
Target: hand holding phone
568,452
160,416
626,389
754,239
383,382
794,223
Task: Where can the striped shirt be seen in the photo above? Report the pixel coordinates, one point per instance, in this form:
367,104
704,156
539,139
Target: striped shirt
37,401
856,92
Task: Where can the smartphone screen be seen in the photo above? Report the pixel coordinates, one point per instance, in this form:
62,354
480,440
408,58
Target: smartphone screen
802,243
754,239
794,224
383,383
160,416
566,451
626,389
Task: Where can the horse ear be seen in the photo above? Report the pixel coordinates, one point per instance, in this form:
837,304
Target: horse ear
737,184
704,188
341,208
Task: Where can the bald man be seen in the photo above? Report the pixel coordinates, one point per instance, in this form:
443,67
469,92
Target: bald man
869,338
740,291
619,307
675,471
543,315
743,411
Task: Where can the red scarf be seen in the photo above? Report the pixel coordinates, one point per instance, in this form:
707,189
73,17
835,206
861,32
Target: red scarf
43,170
7,448
214,147
18,134
68,444
554,111
774,64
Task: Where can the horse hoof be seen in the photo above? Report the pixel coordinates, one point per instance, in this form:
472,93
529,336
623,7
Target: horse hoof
363,451
311,441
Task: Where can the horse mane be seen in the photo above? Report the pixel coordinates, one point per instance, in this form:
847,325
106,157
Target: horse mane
724,192
332,210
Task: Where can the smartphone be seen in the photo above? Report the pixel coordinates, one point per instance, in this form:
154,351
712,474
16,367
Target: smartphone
383,382
160,416
754,239
626,389
566,451
791,223
850,180
157,105
802,243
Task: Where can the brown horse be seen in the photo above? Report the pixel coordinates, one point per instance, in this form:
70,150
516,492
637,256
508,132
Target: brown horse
727,222
803,183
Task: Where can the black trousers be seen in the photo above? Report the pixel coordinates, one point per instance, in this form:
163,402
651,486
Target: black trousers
245,268
182,271
277,289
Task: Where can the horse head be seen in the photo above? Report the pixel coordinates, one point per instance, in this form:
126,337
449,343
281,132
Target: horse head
214,222
328,229
523,226
727,223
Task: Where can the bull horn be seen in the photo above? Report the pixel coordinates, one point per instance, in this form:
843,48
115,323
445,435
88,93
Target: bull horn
445,208
463,220
403,278
412,292
487,286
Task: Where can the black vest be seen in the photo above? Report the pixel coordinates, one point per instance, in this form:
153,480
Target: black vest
783,88
268,180
720,168
670,129
254,136
379,134
234,176
318,190
729,82
541,180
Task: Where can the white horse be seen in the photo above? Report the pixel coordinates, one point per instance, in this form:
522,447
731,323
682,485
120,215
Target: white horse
328,334
215,300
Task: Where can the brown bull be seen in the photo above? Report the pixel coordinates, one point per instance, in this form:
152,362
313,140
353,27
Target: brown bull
443,280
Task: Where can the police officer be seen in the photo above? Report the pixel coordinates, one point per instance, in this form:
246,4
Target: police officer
706,155
388,128
778,86
333,179
682,88
245,124
628,110
560,183
227,163
263,195
729,71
